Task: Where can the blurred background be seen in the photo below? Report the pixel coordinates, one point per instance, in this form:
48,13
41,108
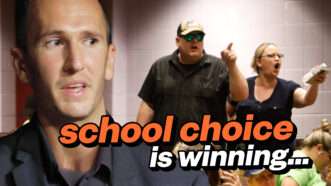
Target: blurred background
144,30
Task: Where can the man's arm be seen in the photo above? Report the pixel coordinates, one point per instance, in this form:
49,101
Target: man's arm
302,97
145,113
237,82
147,94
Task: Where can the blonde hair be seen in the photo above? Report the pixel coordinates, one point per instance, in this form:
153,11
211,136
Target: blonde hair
258,54
320,135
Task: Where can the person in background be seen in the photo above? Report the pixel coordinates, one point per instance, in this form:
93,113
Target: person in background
272,98
189,82
316,146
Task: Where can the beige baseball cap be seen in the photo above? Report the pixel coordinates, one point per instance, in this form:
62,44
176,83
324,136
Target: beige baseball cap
187,27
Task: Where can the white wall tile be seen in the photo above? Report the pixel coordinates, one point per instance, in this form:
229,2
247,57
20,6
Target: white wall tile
120,108
326,49
8,38
326,43
317,107
294,35
327,102
327,85
312,57
0,29
7,24
326,11
313,11
6,61
298,27
8,83
310,122
278,12
7,75
293,58
298,121
293,12
133,103
0,65
8,105
294,75
108,95
313,34
8,123
275,33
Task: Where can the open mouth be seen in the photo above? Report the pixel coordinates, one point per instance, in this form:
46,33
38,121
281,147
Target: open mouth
194,47
277,66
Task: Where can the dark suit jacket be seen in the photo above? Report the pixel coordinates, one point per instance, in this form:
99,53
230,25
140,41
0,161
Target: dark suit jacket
21,164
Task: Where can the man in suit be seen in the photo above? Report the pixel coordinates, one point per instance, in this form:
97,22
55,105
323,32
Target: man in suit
64,52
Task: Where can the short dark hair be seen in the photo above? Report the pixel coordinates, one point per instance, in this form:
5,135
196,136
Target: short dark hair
21,22
21,13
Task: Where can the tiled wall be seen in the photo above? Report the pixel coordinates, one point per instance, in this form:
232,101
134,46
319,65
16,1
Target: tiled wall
120,38
144,30
301,28
7,76
1,62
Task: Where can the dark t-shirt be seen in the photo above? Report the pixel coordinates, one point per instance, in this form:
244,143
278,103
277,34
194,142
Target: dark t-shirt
278,107
188,92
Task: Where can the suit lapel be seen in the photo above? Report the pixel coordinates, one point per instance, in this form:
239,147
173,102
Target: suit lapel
125,165
129,165
28,171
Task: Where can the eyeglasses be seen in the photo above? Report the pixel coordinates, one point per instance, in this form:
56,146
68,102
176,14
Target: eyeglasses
190,37
274,55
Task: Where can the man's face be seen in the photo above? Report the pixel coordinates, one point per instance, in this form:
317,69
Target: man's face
68,57
192,49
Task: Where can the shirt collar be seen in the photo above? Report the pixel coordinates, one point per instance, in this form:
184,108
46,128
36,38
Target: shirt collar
203,61
104,159
48,160
50,165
